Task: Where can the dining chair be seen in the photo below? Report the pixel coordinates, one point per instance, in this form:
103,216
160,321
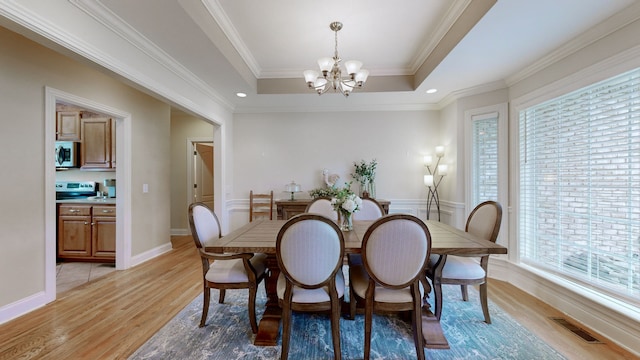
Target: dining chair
322,206
260,205
309,250
224,271
484,222
369,210
395,251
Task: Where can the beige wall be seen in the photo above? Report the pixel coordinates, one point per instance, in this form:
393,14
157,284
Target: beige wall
25,69
183,127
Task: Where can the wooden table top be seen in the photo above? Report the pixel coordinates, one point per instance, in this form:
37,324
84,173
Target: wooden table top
260,237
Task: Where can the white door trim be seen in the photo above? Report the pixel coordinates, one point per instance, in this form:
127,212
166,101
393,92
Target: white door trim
123,179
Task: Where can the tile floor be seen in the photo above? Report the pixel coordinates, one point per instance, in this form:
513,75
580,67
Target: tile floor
72,274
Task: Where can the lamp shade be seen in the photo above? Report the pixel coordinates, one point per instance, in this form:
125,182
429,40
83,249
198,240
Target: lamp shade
325,63
440,151
353,66
319,82
347,86
428,180
361,76
428,160
310,76
442,169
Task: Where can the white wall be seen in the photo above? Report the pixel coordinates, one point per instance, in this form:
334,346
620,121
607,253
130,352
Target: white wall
271,149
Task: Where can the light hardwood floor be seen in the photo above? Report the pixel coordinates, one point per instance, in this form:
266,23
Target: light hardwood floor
111,317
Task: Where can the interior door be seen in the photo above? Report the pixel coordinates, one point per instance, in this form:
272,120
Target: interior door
203,173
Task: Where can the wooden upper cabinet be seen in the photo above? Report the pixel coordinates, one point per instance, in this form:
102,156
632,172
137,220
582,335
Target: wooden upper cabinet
95,149
68,126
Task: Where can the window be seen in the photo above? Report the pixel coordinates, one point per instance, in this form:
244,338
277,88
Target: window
579,213
484,158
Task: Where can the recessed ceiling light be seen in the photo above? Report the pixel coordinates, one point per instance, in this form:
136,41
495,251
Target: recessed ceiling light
241,94
431,91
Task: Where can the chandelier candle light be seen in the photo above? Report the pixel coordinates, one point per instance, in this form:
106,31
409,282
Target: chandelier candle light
433,178
332,73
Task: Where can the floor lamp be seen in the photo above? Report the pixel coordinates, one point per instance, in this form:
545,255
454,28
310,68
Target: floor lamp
433,178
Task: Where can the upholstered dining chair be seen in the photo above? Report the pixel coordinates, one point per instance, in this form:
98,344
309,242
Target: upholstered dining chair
484,221
224,271
309,250
369,210
260,205
322,206
395,251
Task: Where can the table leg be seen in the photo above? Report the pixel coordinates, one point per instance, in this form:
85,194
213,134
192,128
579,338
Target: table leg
269,325
431,330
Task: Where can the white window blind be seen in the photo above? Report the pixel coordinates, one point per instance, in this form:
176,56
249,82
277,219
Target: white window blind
484,162
579,209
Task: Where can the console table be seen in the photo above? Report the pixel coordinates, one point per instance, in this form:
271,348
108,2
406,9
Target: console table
289,208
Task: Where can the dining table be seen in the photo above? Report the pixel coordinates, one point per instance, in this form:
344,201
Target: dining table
260,237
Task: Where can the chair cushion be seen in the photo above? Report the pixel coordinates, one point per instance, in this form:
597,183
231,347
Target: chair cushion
232,271
359,279
460,267
301,295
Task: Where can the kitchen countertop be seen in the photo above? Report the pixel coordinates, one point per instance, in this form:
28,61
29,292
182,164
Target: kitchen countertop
107,201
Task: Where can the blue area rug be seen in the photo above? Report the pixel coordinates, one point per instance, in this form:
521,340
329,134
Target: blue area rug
228,334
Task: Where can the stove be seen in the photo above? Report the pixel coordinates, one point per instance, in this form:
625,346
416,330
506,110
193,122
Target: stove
66,190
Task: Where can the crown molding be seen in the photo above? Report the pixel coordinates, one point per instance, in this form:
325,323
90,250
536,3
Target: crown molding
607,27
476,90
345,108
217,13
445,24
111,21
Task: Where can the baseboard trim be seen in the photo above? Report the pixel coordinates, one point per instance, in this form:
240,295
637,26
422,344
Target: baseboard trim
620,325
22,306
150,254
180,232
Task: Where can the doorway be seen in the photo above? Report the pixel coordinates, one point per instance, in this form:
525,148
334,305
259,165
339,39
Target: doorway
123,203
202,170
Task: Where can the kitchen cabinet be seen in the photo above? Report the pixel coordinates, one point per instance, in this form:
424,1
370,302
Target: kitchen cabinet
68,126
87,232
96,145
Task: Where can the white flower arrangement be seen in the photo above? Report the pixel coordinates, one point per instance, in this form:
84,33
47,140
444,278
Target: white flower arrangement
345,201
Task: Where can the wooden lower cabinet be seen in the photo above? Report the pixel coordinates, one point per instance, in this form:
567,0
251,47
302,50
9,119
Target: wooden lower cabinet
87,232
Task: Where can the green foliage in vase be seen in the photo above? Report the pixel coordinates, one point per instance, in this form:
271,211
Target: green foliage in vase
365,172
325,192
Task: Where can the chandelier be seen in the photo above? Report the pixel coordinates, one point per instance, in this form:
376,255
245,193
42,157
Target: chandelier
332,74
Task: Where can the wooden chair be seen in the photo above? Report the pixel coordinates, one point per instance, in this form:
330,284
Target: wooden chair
309,250
224,271
484,221
369,210
395,251
322,206
260,205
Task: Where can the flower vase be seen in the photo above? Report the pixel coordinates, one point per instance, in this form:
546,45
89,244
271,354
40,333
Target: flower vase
364,189
346,221
367,189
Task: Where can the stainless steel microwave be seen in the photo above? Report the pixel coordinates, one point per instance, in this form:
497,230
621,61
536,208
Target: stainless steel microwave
66,154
